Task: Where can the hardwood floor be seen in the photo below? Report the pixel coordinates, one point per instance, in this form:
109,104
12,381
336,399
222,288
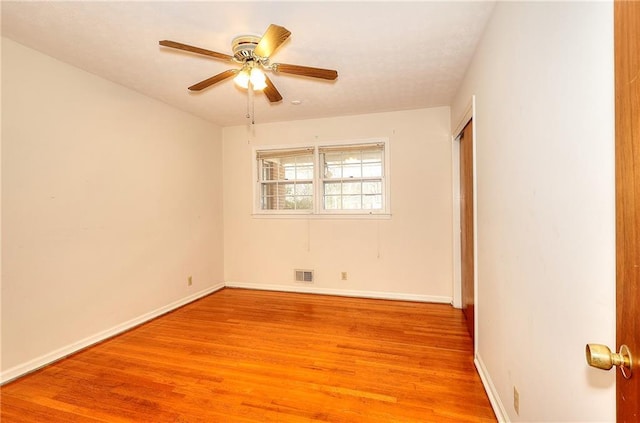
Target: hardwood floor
256,356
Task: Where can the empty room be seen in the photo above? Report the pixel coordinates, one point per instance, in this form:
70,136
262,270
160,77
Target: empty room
374,211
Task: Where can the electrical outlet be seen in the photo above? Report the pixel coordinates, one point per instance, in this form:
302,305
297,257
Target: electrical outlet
190,281
343,276
516,400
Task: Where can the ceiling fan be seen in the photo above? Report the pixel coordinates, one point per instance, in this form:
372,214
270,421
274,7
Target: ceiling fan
253,53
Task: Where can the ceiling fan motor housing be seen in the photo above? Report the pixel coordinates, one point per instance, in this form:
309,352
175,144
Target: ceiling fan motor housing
243,47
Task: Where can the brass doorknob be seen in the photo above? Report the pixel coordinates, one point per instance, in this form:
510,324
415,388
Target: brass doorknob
601,357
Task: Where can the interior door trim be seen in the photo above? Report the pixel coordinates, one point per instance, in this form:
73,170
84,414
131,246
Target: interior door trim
470,113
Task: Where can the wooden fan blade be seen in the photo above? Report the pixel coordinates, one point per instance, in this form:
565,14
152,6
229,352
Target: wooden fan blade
271,91
271,40
196,50
306,71
213,80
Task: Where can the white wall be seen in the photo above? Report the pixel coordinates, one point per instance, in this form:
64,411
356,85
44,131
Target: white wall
543,80
1,209
407,256
110,200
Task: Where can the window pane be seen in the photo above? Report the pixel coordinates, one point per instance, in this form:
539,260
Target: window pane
332,188
351,202
288,203
372,202
371,187
289,168
269,190
304,202
332,202
372,157
304,189
332,163
306,160
266,203
286,196
269,170
353,170
333,158
372,170
299,167
289,173
287,189
351,187
304,172
270,203
333,171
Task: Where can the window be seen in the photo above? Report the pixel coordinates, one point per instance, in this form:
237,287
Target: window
286,179
336,179
352,177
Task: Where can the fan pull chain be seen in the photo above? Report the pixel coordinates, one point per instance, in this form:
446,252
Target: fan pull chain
248,115
251,104
253,108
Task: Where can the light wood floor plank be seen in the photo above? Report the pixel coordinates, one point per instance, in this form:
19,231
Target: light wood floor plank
259,356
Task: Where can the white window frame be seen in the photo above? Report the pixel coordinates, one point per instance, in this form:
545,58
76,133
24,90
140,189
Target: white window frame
258,182
318,211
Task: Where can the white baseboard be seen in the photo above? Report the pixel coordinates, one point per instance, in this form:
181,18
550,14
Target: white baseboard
305,289
32,365
492,393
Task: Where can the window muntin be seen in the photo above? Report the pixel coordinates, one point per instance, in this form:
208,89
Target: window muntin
332,179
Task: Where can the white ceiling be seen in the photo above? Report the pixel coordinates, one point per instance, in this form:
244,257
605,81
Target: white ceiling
389,55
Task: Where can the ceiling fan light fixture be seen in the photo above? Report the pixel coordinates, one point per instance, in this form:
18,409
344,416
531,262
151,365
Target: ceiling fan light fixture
254,75
242,79
258,79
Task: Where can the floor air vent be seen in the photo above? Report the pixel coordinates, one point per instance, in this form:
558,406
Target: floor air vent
303,276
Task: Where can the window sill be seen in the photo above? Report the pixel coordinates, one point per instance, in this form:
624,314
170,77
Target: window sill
321,216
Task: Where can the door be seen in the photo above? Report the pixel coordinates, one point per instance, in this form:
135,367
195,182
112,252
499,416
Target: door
627,93
466,226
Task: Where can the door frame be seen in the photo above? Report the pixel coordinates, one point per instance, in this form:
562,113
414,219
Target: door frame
627,136
469,114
